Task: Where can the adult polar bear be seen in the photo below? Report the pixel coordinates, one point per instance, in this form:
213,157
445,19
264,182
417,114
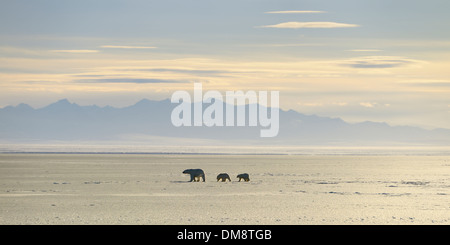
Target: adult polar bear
195,174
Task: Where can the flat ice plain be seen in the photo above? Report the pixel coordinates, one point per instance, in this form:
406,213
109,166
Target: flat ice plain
284,189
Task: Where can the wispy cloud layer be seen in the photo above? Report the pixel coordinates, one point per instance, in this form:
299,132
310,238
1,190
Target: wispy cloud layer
76,51
127,47
298,25
295,12
368,104
379,62
365,50
430,83
129,80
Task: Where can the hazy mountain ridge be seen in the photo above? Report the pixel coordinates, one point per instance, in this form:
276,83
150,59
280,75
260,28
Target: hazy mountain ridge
67,121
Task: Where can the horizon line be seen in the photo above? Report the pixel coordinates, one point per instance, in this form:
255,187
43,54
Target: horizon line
430,128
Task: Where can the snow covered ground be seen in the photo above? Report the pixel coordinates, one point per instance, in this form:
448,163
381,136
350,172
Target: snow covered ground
284,189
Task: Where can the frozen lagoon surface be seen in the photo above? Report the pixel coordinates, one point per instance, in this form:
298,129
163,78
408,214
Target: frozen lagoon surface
284,189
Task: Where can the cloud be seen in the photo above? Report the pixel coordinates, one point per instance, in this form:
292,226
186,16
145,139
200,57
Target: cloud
320,104
298,25
129,80
379,62
426,83
127,47
340,103
364,50
373,104
205,72
76,51
368,104
295,12
311,104
276,45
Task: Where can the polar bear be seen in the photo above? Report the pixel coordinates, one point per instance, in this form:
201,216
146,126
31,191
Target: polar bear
224,177
195,174
243,176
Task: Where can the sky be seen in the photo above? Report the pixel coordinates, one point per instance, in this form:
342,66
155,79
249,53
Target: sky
360,60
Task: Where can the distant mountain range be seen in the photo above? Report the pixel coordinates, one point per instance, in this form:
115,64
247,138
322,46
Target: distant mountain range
150,121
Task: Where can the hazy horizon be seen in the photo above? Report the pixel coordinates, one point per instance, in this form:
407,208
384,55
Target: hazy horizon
149,122
168,99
